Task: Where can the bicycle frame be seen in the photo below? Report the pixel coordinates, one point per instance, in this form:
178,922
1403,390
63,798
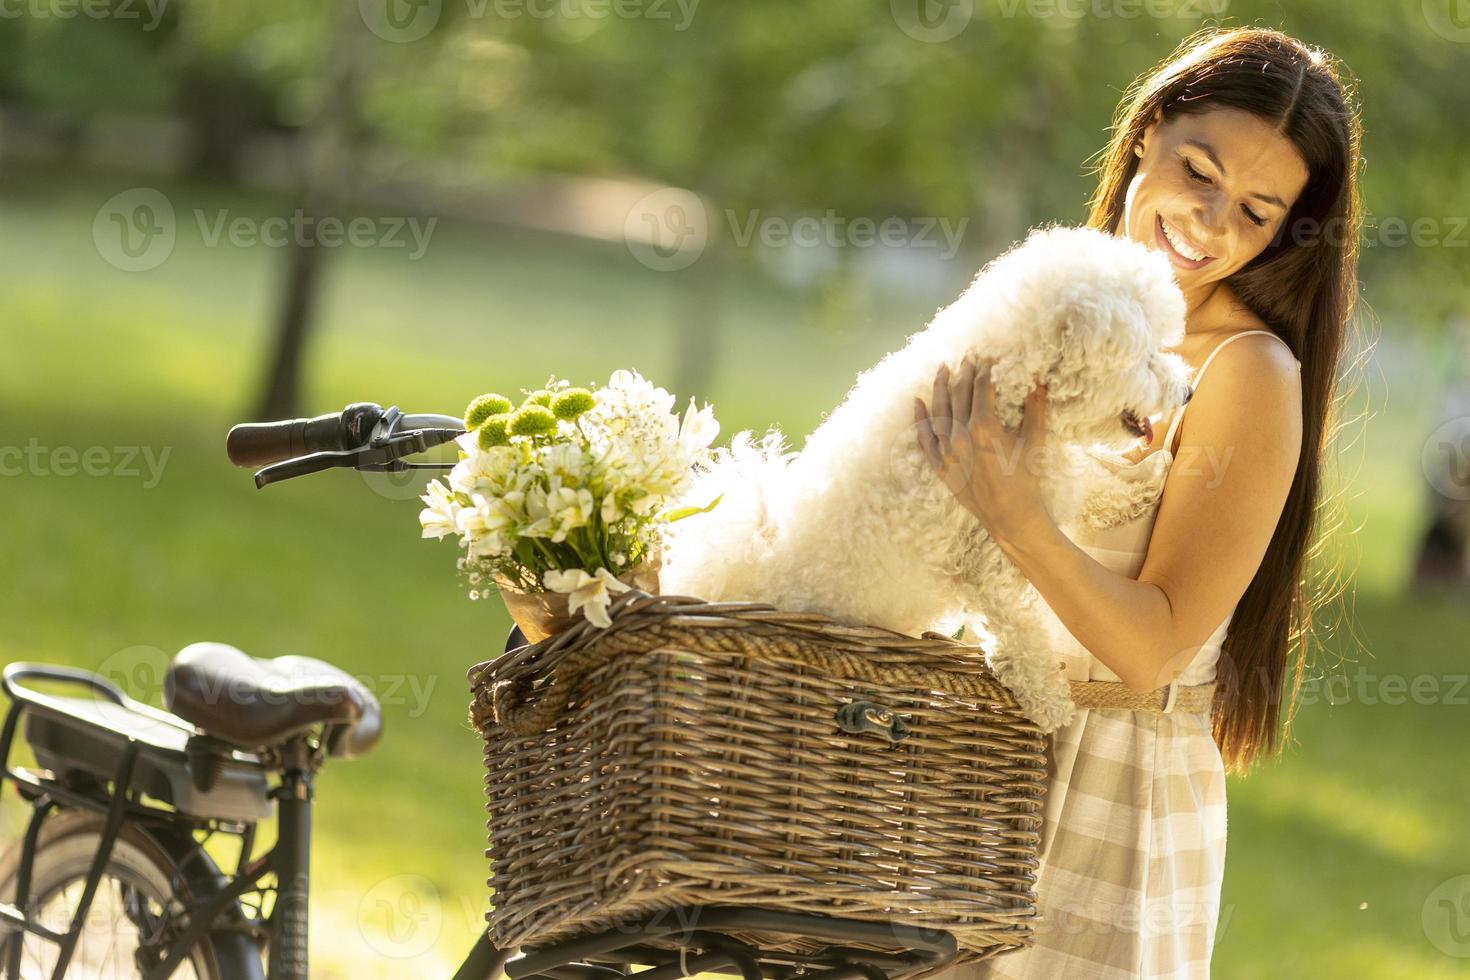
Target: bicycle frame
288,860
215,907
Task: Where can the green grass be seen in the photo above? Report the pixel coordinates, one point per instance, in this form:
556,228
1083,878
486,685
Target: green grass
104,572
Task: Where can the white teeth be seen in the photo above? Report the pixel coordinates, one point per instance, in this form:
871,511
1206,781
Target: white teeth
1180,245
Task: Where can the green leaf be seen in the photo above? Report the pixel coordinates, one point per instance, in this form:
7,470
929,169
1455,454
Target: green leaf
959,632
679,514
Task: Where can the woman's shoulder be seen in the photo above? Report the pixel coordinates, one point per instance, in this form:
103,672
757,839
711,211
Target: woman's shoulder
1265,355
1248,378
1229,318
1228,315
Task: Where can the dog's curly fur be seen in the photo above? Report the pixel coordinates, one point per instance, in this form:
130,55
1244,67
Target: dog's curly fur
859,527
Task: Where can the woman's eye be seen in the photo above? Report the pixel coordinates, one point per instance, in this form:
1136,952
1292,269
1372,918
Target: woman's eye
1196,175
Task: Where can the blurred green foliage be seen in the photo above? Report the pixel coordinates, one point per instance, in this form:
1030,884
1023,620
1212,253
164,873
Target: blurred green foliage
849,105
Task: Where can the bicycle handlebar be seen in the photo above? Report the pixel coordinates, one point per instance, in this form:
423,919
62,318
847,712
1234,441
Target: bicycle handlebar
363,436
262,443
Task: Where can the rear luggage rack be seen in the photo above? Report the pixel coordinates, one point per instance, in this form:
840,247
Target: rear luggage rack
96,732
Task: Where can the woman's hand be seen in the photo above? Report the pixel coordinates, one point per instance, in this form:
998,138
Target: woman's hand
992,472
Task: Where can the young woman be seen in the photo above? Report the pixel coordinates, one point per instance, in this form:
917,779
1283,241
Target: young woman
1237,159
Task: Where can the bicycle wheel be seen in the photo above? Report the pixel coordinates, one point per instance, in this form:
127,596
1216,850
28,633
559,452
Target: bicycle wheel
129,906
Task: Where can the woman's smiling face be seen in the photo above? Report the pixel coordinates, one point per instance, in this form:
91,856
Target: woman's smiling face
1211,190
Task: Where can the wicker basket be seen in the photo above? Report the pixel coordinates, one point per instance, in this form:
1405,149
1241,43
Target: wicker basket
700,753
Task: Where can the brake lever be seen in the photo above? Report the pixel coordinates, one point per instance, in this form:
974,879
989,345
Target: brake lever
383,454
289,469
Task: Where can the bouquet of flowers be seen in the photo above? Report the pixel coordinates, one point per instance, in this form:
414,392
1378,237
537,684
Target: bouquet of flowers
557,500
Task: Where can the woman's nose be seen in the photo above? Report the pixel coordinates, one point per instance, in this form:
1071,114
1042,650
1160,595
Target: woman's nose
1207,220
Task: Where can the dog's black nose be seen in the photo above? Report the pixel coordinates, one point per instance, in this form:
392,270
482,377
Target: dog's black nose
1188,393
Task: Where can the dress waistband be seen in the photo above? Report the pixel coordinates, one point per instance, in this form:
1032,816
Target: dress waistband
1174,698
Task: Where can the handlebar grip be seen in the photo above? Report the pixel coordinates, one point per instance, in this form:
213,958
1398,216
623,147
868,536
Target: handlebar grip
255,444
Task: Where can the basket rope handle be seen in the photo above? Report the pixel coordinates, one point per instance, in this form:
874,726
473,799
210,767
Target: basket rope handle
637,629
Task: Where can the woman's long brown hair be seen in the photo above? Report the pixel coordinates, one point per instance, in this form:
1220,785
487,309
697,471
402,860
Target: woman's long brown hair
1304,286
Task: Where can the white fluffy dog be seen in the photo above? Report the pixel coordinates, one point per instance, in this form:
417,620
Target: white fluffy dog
859,527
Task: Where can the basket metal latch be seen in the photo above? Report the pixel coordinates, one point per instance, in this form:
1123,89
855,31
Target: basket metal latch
857,717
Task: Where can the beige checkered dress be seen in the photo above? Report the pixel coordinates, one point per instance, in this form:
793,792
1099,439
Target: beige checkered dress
1133,836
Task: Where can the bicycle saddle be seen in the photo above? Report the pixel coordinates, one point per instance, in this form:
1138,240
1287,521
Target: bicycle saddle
254,702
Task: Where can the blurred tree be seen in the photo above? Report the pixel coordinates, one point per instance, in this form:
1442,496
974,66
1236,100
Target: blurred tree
766,108
323,174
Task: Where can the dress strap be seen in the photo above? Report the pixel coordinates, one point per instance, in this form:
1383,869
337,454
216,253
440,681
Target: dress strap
1179,415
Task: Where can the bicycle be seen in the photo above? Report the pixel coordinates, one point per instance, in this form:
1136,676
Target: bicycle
122,792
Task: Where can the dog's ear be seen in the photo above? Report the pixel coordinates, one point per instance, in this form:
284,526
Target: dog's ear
1175,378
1087,339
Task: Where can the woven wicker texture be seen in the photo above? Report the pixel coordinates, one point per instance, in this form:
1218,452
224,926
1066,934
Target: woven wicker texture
1115,694
692,753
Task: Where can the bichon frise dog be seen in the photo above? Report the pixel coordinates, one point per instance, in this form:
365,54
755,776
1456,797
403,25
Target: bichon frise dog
859,527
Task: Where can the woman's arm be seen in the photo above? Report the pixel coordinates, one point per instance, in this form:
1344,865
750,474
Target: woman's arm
1238,450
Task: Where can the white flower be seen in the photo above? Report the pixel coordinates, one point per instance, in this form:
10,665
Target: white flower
610,509
437,518
565,462
639,393
494,470
589,593
699,428
557,511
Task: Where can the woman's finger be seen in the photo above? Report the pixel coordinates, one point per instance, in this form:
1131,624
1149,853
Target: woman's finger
962,392
982,398
924,432
941,417
1033,417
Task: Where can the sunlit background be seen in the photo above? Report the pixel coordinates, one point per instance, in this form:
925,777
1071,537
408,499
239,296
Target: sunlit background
749,202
